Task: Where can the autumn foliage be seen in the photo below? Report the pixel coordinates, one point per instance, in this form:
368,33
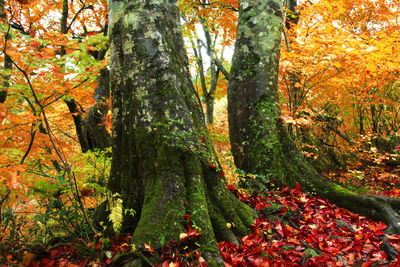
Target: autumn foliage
339,93
340,74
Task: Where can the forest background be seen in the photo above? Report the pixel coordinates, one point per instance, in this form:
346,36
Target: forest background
338,90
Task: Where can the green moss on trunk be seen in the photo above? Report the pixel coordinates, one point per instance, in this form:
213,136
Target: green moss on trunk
260,143
160,165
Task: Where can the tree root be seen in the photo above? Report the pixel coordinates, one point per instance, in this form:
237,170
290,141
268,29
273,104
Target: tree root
380,208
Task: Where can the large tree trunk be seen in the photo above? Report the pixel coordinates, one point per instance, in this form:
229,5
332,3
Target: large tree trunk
252,94
163,163
260,143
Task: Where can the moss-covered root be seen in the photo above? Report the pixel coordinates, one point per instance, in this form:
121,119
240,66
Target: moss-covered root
372,206
135,259
375,207
182,184
230,213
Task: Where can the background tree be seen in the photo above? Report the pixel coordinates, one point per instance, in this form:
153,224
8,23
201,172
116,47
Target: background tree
260,143
7,61
163,164
216,28
37,139
346,65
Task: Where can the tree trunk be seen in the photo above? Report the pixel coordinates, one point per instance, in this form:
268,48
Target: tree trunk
209,97
208,94
7,60
260,143
252,94
163,163
6,77
91,130
94,128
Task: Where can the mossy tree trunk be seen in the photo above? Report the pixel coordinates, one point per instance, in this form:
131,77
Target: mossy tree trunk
260,143
163,163
252,94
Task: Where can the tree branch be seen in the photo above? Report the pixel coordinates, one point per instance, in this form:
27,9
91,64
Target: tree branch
77,14
8,191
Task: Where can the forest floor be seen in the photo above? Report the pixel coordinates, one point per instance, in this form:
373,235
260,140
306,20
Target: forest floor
294,228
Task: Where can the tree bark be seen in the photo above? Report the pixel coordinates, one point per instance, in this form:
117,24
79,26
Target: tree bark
163,163
260,143
6,78
91,130
208,94
252,94
94,123
7,60
214,71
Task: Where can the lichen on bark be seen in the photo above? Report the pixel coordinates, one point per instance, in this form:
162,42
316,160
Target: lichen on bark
260,142
252,94
161,151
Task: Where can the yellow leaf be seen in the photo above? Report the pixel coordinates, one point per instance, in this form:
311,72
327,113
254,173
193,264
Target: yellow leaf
183,236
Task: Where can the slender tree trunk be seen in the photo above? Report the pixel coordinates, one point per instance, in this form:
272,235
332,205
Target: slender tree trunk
361,119
210,96
292,15
91,131
7,60
199,61
163,164
260,143
209,101
94,123
6,78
